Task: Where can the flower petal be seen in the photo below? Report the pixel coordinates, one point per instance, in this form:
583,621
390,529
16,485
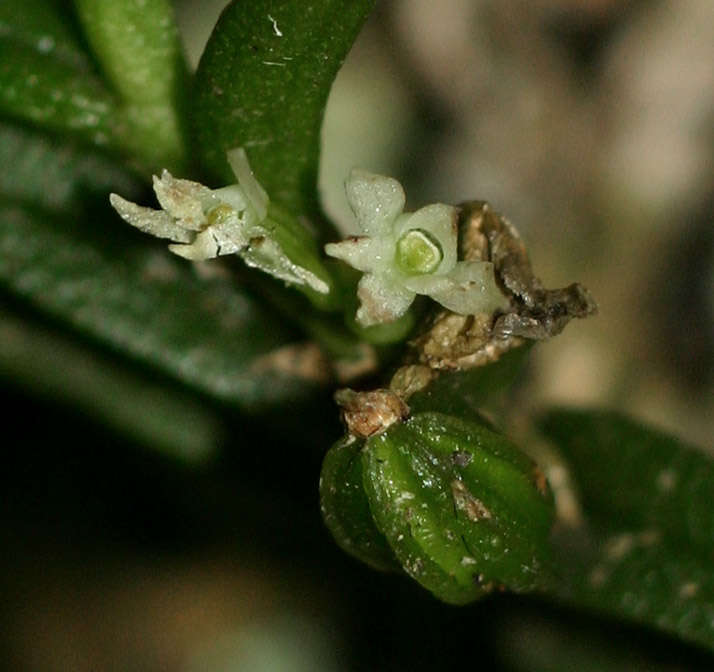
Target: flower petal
204,246
441,222
362,252
381,299
254,192
182,199
472,289
376,200
156,222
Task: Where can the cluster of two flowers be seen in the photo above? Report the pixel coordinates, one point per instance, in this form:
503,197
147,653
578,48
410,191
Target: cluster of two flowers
401,254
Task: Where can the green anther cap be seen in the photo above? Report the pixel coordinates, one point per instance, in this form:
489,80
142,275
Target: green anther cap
220,214
418,252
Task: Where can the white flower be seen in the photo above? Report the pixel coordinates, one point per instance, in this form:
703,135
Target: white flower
405,254
205,223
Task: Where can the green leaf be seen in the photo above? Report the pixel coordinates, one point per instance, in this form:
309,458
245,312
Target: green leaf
462,508
637,475
208,332
54,176
637,575
55,95
263,83
137,45
647,555
39,26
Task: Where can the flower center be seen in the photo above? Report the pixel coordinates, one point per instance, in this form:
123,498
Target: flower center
418,252
219,214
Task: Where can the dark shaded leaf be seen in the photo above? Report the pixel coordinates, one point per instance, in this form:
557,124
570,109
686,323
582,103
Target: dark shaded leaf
39,25
648,554
55,367
141,301
54,95
57,176
637,575
637,476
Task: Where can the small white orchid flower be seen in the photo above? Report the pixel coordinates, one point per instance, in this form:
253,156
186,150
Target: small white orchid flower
405,254
206,223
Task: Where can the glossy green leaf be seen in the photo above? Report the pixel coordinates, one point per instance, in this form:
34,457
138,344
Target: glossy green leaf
637,476
138,48
262,83
345,508
463,509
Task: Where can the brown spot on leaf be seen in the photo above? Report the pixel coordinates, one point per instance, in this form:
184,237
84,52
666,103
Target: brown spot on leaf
473,508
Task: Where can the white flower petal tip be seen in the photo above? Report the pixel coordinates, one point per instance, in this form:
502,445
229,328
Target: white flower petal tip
156,222
374,199
404,254
265,254
472,289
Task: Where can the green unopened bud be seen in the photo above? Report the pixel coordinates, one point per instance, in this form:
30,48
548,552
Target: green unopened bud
418,252
464,511
345,509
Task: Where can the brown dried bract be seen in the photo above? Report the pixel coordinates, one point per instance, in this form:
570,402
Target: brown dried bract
369,413
464,341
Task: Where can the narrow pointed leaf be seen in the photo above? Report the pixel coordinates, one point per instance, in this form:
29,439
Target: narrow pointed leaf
57,177
137,46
